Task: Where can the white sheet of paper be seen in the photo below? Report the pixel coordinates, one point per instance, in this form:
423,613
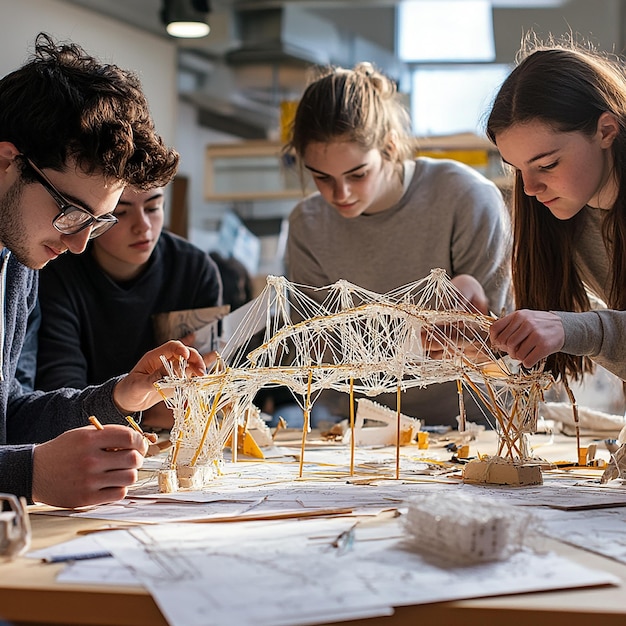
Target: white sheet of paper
600,531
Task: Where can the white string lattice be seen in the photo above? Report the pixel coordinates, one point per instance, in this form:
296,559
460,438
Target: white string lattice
355,341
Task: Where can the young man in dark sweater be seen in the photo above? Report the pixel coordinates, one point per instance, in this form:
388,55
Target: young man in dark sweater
98,307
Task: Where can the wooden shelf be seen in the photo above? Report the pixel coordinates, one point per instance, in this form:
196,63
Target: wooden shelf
259,170
252,170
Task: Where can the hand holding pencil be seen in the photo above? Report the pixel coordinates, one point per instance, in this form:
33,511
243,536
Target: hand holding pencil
87,466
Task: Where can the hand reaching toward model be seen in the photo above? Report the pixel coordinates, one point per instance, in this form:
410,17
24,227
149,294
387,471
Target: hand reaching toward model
473,291
136,391
528,336
456,333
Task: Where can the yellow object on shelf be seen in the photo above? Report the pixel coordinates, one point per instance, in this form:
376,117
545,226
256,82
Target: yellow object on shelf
475,158
287,115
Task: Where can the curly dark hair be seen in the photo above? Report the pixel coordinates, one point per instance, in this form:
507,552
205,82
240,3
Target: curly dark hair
64,104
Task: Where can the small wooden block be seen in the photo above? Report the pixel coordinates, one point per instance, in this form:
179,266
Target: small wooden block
497,471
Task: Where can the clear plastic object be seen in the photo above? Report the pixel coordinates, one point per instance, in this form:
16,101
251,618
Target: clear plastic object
15,533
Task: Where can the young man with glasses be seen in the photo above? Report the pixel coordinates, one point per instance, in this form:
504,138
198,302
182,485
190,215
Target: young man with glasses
72,218
74,133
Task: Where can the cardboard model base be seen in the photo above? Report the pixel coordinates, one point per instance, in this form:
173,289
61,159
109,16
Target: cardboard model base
499,471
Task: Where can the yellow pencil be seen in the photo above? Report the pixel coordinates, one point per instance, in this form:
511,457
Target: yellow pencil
96,422
134,424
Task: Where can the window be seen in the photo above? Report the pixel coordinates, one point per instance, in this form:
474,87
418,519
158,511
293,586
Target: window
448,99
445,30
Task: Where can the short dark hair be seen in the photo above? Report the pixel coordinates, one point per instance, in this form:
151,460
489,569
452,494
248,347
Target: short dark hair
64,104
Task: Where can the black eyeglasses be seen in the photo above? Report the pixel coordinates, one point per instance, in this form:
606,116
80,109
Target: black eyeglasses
71,218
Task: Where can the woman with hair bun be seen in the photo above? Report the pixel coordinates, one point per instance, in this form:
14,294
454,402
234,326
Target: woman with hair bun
382,218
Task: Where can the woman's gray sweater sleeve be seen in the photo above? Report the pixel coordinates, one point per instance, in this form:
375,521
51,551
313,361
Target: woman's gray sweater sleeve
600,335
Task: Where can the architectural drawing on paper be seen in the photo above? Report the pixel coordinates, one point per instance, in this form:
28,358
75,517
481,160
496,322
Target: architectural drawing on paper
354,341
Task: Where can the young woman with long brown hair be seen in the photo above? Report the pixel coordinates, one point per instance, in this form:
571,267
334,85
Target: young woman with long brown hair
560,120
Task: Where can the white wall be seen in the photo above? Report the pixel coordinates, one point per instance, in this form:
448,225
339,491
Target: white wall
151,57
191,143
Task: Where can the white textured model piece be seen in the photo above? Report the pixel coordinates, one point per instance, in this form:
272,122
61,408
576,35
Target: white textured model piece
356,341
616,469
377,424
464,530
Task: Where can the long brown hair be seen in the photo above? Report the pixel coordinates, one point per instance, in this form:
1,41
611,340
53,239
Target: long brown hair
567,86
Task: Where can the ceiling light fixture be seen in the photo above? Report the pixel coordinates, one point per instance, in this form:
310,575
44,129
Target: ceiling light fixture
186,18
